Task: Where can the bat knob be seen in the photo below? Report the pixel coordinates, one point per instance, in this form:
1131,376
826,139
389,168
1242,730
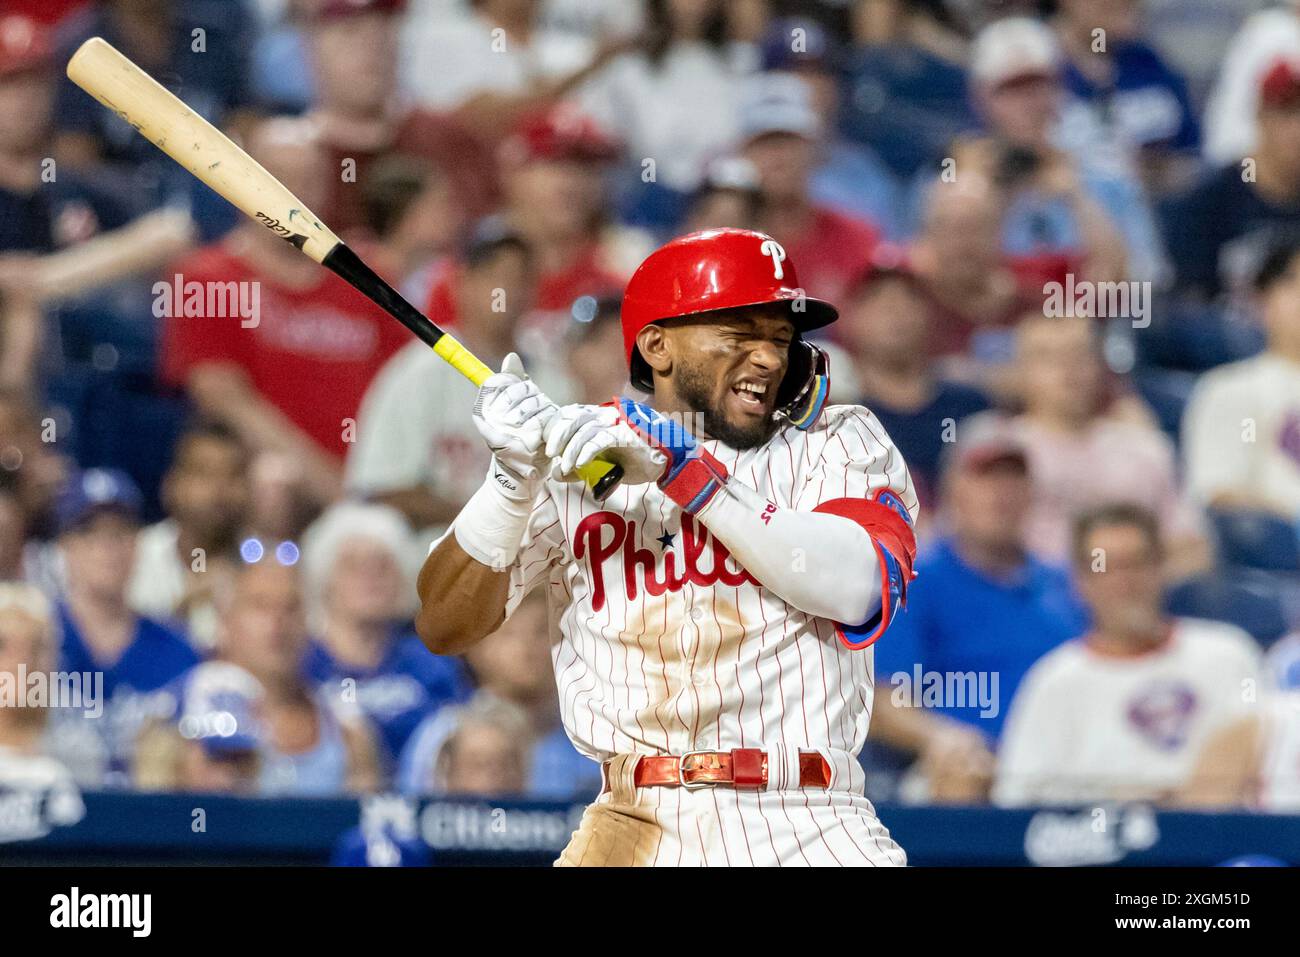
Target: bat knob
604,485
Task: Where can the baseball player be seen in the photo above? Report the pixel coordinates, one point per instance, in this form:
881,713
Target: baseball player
712,618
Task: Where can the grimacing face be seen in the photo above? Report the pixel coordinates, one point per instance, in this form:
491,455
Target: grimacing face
726,367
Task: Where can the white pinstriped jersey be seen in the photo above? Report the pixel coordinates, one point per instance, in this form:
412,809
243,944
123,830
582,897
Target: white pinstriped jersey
663,644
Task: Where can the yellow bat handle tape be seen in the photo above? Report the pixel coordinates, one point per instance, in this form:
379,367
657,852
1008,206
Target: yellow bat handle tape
472,368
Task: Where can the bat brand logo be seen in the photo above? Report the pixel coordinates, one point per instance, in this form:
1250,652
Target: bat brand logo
643,563
771,247
296,240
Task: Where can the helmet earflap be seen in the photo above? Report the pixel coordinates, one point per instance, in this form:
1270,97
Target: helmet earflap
804,390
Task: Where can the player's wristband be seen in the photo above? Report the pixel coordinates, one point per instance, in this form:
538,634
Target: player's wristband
694,482
491,526
692,476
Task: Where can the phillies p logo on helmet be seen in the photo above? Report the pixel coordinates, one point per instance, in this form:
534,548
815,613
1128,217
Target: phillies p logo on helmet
771,247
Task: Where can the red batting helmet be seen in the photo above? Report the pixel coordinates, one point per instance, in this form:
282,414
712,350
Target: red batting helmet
720,269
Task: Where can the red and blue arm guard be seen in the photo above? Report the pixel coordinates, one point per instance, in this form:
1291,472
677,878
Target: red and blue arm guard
885,518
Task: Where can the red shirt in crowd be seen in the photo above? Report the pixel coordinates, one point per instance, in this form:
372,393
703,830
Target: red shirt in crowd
587,276
311,352
456,153
954,331
831,253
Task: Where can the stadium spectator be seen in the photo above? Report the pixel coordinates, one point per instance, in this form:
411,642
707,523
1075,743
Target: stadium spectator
1251,763
1241,429
38,470
512,667
314,745
362,116
885,325
683,62
551,170
1219,231
13,529
781,133
415,219
417,449
180,560
43,732
728,196
99,519
61,233
988,611
485,751
491,63
22,328
199,45
974,295
1127,90
1122,712
594,355
257,368
1081,205
1080,457
213,743
907,94
850,176
1232,107
359,564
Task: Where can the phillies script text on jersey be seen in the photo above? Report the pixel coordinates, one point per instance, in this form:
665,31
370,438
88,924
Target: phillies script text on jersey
639,562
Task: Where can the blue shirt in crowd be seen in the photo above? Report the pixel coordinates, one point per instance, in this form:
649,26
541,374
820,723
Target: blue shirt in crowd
1146,102
137,686
1219,231
408,684
919,433
976,635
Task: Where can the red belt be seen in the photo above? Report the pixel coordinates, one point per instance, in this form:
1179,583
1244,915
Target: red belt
741,768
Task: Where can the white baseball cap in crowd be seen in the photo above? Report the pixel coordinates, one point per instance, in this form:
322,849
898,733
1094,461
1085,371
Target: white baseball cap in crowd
1013,49
777,103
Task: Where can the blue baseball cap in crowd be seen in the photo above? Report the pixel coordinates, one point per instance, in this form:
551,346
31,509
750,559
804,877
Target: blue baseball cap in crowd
794,43
218,708
89,492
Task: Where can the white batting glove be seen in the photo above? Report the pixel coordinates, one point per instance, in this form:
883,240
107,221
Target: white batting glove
577,434
511,414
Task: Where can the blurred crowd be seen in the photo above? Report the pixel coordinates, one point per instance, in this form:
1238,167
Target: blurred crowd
1064,237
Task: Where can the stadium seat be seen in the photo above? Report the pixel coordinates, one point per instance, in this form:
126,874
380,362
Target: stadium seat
1249,600
1194,338
1167,392
1250,539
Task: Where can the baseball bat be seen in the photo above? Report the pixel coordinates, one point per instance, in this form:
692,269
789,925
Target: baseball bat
163,119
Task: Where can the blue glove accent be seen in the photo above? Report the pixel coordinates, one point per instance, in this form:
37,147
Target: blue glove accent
661,432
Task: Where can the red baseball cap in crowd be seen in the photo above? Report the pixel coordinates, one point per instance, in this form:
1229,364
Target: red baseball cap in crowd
24,45
1280,84
887,260
561,133
333,9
